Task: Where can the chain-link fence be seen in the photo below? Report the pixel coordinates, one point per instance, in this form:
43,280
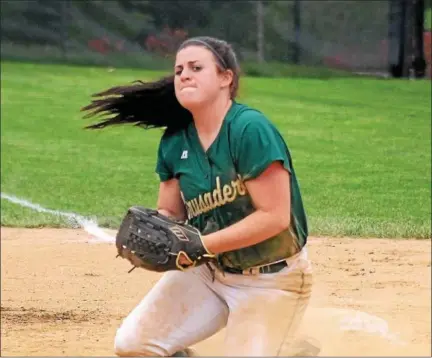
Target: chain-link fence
350,35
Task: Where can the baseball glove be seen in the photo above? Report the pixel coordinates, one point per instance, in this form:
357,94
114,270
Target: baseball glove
155,242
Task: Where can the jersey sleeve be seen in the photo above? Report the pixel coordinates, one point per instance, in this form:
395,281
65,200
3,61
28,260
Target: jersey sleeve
258,145
162,166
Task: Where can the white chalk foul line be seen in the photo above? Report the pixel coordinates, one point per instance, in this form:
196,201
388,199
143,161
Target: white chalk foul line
75,220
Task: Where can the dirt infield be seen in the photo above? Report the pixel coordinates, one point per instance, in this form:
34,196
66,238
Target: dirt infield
65,295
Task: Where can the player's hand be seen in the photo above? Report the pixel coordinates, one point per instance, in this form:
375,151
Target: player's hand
184,261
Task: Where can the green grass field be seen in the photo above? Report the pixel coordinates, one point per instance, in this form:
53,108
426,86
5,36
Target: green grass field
361,148
428,19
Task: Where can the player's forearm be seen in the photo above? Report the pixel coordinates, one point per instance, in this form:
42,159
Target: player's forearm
171,214
251,230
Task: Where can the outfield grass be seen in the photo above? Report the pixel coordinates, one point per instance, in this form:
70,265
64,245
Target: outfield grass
361,148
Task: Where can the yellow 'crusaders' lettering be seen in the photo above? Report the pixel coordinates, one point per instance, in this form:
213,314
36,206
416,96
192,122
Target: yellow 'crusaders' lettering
220,196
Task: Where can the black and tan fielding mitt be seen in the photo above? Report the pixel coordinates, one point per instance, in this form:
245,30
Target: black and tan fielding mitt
156,242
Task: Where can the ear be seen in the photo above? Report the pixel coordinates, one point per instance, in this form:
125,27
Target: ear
226,77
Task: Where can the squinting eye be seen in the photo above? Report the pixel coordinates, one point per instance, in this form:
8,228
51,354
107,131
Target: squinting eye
178,72
196,68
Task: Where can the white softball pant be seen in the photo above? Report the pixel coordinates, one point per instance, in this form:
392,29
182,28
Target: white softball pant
260,312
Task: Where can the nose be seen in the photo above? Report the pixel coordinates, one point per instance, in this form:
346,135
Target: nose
185,75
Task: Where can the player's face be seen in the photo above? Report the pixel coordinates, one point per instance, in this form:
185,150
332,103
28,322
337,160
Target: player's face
198,80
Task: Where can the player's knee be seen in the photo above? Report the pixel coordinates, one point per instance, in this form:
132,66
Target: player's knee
127,344
124,345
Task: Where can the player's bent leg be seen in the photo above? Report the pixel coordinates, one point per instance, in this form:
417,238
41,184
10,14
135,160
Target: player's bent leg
179,311
266,311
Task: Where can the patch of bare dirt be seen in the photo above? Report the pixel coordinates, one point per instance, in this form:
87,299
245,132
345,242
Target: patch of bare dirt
62,294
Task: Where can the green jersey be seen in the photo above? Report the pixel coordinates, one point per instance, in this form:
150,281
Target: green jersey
212,182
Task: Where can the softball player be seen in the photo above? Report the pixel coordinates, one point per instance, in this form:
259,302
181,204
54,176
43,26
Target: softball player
226,169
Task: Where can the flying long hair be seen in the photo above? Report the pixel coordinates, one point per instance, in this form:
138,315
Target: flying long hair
143,104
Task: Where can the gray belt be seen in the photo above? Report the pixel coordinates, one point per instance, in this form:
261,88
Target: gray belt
271,268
